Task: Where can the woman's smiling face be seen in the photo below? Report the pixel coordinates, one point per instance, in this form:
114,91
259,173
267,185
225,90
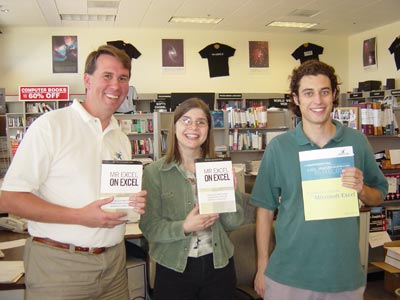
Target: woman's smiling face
191,130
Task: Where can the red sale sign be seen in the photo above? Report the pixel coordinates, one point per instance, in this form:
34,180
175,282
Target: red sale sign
45,93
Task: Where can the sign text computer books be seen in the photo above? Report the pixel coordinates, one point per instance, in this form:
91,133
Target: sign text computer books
323,194
215,185
121,178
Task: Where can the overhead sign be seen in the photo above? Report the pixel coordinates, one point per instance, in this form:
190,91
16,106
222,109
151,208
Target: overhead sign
44,93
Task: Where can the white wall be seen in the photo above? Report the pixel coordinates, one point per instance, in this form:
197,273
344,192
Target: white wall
26,59
386,66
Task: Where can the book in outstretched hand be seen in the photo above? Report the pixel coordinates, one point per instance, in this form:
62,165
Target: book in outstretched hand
324,196
121,179
215,185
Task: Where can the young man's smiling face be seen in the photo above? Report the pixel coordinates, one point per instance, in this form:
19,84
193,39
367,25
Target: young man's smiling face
315,99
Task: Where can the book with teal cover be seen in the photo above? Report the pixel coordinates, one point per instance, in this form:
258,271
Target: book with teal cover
324,196
217,118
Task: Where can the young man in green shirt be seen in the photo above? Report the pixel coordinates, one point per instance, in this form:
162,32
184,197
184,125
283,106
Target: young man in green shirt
317,259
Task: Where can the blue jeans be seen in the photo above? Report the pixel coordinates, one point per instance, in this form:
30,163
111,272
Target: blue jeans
199,281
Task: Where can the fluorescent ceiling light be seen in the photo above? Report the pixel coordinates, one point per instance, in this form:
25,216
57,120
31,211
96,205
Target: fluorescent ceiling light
291,24
79,17
103,4
195,20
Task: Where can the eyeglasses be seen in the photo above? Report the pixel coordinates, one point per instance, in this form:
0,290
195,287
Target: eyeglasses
189,122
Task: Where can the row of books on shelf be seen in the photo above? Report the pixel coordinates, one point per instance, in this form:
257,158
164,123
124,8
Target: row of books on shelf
39,107
373,118
250,140
377,219
143,146
249,118
246,140
377,118
225,104
385,219
15,121
130,126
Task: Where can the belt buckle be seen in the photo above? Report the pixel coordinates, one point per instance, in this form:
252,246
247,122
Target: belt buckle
91,250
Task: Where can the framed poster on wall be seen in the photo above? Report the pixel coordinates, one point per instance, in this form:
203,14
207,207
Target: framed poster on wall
258,54
369,53
172,53
65,54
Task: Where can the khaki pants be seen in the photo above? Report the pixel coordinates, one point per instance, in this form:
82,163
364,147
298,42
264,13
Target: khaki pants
53,273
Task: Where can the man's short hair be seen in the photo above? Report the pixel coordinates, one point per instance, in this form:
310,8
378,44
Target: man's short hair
91,60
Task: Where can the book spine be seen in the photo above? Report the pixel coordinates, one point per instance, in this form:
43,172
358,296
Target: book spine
235,139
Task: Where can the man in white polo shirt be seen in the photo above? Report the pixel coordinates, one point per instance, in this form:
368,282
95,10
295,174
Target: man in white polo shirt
76,250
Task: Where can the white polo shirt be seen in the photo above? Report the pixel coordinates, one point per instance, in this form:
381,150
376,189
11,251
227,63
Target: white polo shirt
59,160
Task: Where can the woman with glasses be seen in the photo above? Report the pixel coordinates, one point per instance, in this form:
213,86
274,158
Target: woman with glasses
193,253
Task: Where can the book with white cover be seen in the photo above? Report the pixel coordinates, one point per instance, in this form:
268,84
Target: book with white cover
393,252
215,185
392,261
121,179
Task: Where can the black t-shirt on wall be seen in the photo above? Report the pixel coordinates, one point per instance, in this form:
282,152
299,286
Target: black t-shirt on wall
128,48
395,49
307,51
217,55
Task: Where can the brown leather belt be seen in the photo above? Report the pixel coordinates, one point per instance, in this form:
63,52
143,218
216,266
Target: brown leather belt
66,246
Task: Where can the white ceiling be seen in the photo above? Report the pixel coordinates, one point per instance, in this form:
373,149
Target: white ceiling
334,17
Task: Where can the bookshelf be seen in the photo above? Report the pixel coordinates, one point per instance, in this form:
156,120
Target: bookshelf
278,121
376,109
21,114
140,130
380,140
